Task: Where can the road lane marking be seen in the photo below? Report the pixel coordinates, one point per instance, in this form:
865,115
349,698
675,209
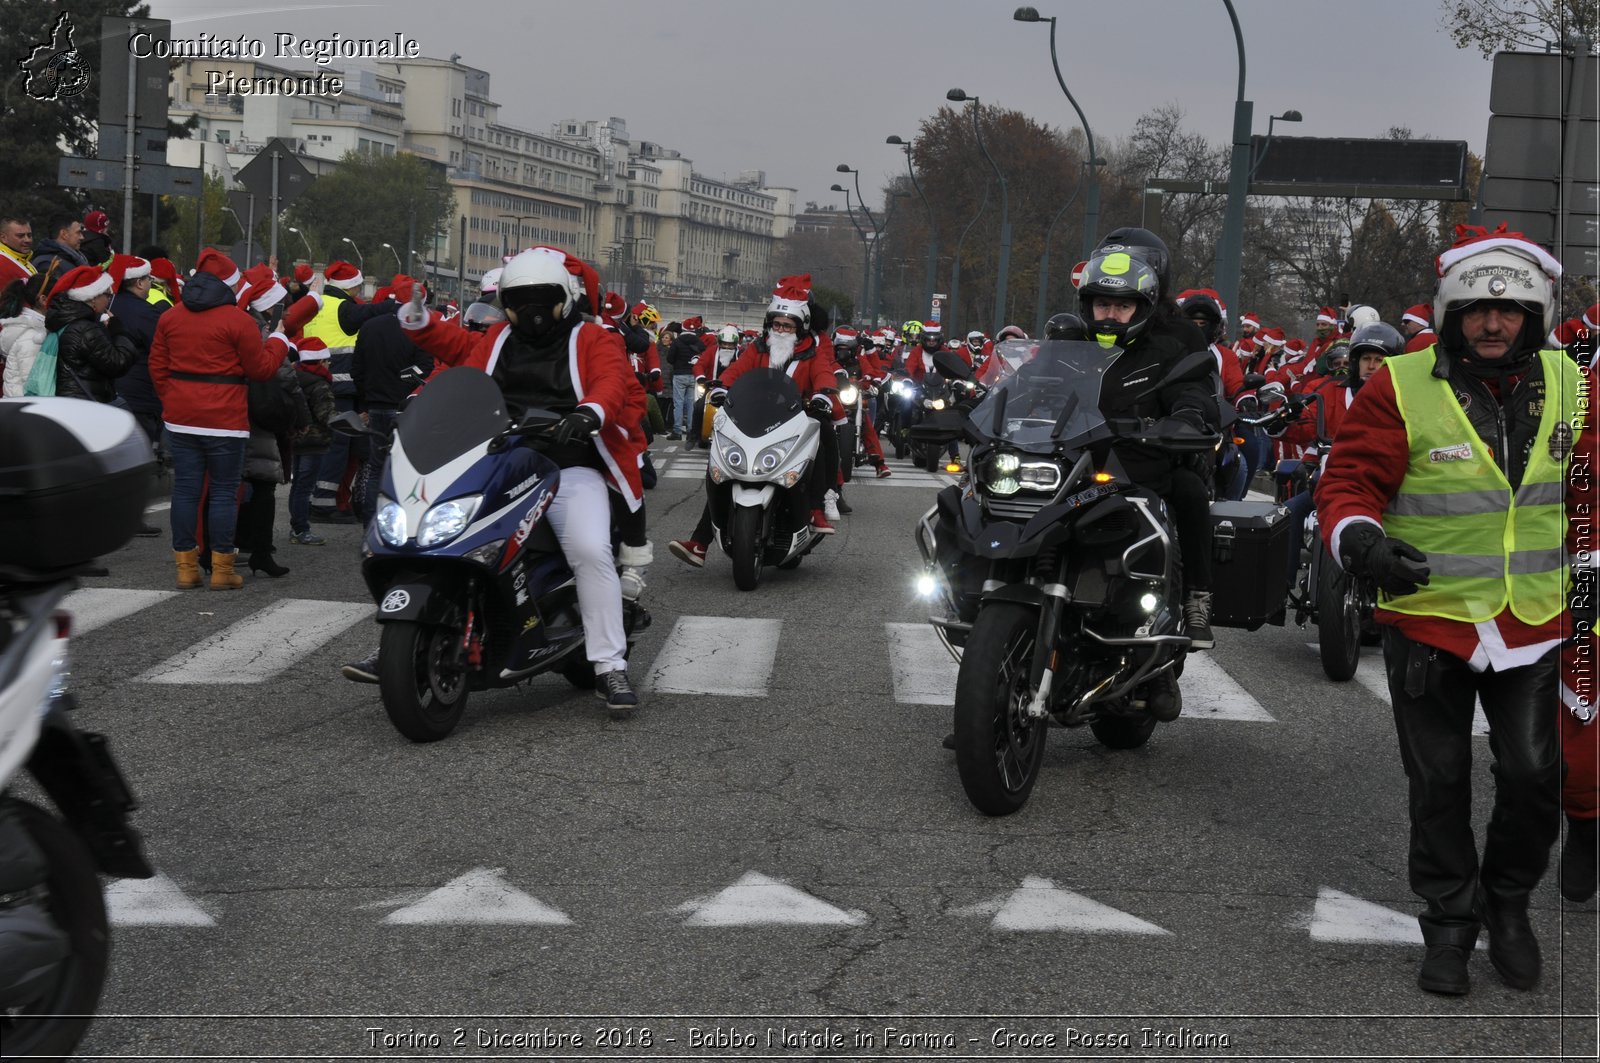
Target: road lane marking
1371,673
95,607
1210,693
261,645
756,900
480,897
924,672
722,655
1039,904
1342,917
152,902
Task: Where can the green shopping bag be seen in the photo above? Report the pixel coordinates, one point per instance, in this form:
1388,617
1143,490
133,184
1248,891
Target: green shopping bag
42,378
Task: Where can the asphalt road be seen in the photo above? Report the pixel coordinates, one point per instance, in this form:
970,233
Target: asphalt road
792,871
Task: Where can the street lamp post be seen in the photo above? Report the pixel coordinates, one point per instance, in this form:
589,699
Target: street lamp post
505,248
398,267
933,228
958,96
1266,145
361,263
310,258
1091,201
1044,258
877,234
866,251
1230,248
877,252
249,246
955,266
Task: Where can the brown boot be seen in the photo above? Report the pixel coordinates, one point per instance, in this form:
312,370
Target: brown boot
188,568
223,578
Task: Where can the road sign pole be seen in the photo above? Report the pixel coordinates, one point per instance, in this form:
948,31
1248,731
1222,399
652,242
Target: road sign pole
273,255
127,160
250,231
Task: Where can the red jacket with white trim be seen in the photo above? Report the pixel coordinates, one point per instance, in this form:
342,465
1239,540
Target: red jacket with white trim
811,368
205,333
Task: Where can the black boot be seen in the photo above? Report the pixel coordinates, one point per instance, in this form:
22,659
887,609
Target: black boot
1578,858
1513,950
1444,970
262,561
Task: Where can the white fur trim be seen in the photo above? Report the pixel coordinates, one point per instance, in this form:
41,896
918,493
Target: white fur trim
99,286
1327,319
355,282
133,273
1592,326
1526,248
314,354
270,299
1338,532
1408,316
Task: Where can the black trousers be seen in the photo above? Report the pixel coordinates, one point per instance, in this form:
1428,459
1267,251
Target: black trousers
1433,694
1189,502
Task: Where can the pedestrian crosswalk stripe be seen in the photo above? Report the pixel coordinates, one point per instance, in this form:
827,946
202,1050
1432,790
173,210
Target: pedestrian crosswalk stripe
1039,904
724,655
923,670
1210,693
480,897
261,645
95,607
756,900
1371,674
1345,918
152,902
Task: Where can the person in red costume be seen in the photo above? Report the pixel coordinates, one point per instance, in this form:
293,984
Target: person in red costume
546,355
1462,484
1416,325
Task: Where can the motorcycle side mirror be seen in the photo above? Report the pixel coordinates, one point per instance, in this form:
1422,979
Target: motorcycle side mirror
1254,380
348,423
950,365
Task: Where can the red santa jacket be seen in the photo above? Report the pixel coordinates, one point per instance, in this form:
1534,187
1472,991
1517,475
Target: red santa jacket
1228,368
209,336
1364,472
811,368
712,362
919,362
601,377
870,370
1421,341
12,268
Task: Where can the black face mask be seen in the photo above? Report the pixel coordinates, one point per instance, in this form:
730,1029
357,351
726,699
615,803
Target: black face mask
537,323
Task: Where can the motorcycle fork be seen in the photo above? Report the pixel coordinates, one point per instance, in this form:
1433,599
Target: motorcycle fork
1046,645
471,649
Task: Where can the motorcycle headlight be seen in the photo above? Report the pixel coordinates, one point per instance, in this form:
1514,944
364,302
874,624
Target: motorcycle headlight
699,391
1039,476
447,520
487,554
391,522
937,404
726,451
902,388
1000,474
774,456
849,394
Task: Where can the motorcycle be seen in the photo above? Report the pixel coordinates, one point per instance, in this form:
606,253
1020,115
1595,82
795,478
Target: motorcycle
850,452
472,589
904,409
763,444
78,471
1059,575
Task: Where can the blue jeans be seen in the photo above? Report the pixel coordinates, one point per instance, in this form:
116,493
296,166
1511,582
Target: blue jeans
305,478
682,403
195,460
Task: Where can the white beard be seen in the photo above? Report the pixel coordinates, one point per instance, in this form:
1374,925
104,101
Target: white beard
780,346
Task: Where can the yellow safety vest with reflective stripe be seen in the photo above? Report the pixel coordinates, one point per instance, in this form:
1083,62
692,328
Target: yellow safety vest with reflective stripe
156,297
325,326
1487,547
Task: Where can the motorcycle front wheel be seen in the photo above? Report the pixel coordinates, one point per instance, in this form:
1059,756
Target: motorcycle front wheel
998,749
423,693
1338,619
77,905
745,548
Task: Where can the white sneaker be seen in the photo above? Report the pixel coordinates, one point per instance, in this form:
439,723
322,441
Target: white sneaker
830,504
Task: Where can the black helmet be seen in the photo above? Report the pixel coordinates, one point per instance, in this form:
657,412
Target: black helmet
1118,274
1142,243
1199,305
1065,326
1378,336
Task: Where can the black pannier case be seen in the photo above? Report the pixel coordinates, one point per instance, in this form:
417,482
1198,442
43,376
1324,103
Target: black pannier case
1252,551
74,479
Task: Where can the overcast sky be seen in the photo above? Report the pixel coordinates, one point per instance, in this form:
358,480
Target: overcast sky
795,89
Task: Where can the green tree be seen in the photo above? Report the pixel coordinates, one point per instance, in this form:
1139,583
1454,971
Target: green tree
370,199
219,229
1526,25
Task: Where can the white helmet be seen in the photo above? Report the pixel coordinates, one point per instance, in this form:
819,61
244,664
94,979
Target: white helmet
1361,314
1498,265
491,281
541,266
729,336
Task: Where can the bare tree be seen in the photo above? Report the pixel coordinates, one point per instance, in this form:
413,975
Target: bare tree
1495,25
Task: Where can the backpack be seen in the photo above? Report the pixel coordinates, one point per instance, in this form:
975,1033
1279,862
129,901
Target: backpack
42,377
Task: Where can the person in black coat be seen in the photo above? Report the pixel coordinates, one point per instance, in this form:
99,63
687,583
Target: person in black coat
90,355
378,368
138,316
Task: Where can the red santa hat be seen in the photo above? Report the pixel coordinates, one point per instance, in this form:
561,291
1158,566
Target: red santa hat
691,323
1326,316
402,287
312,349
96,221
164,271
1296,346
303,273
126,268
262,291
342,274
1420,314
82,284
1473,239
1207,293
1591,319
614,306
792,296
1246,345
1273,335
1250,320
220,265
845,333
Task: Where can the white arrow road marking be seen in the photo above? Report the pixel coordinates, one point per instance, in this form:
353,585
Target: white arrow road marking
261,645
725,655
1343,917
924,672
756,900
1371,673
152,902
1209,693
98,606
1039,904
480,897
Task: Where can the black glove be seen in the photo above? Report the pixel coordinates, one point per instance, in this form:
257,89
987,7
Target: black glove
1394,565
1584,600
821,404
580,424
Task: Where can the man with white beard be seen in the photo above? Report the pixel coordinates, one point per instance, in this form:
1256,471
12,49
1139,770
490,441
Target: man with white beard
786,343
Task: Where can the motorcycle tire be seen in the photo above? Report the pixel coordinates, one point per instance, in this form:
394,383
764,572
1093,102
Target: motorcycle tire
424,700
1338,619
1123,732
77,904
745,548
998,751
930,461
578,671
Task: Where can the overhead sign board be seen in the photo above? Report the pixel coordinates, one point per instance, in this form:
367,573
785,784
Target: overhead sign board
1368,163
136,41
1539,85
293,177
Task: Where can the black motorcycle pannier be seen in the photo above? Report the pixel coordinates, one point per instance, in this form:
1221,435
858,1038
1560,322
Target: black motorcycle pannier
1252,554
74,479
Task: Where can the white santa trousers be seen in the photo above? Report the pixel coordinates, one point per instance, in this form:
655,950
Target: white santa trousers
580,515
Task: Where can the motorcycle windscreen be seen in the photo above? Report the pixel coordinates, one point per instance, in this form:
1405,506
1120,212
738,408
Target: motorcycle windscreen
1051,398
761,400
457,410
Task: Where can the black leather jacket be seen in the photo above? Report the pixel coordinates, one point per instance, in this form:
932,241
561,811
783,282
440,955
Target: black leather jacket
91,355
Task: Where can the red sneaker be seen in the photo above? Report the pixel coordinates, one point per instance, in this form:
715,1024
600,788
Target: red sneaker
883,470
819,523
689,552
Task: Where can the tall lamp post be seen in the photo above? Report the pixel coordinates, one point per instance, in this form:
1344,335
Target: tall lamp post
1286,116
955,266
1091,201
310,258
877,252
877,234
1044,258
1230,248
866,250
958,96
361,263
505,247
933,228
398,268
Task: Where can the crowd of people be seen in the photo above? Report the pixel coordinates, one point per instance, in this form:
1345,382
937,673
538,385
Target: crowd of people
1460,478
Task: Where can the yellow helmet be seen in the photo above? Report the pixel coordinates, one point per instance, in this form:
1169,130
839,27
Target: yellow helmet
649,317
910,330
